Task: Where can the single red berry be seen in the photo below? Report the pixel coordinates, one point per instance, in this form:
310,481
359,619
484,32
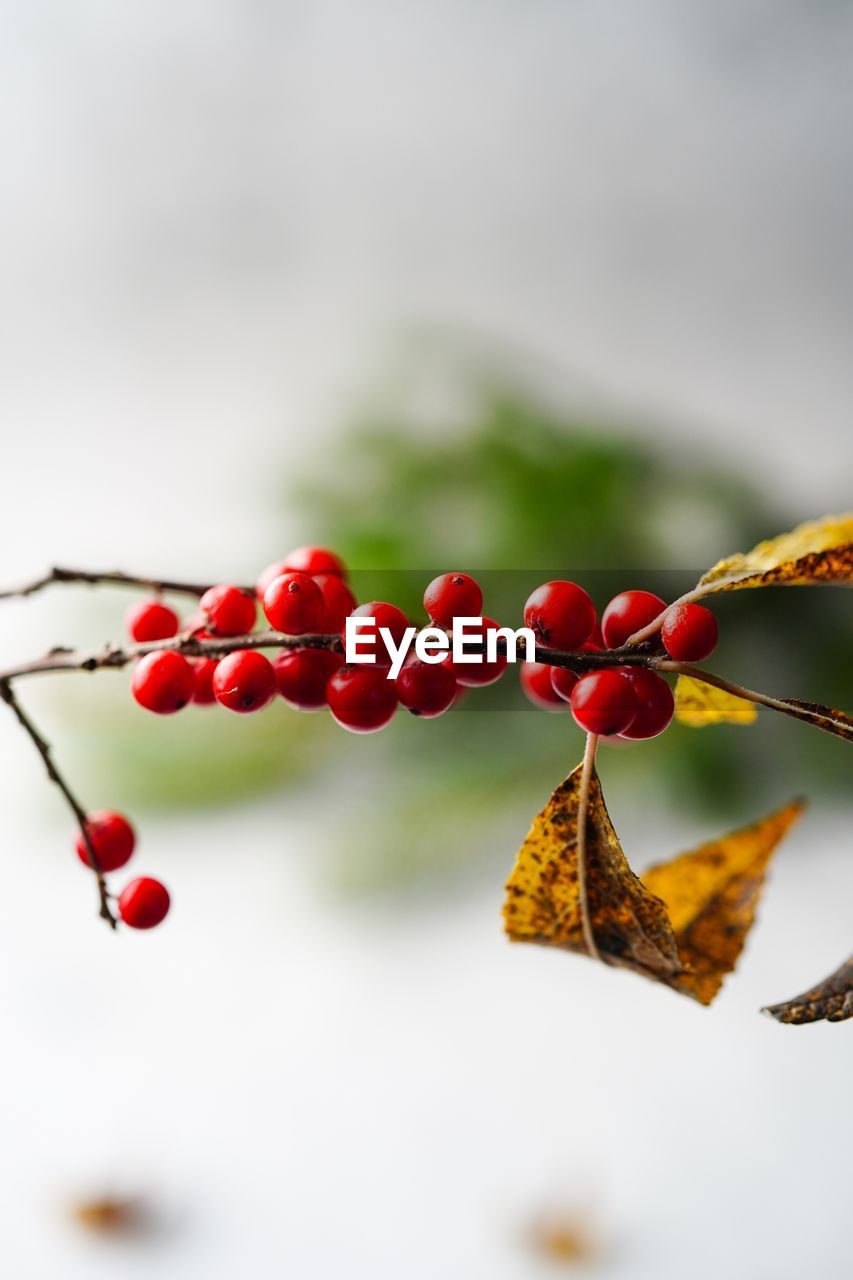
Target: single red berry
655,703
689,632
313,560
604,702
426,689
272,571
244,681
453,595
563,681
302,676
629,612
361,699
536,682
477,674
338,604
143,903
560,614
162,682
203,669
112,837
228,611
293,604
387,616
151,620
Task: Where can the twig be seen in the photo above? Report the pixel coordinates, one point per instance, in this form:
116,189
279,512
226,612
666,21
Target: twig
582,818
110,577
646,633
44,750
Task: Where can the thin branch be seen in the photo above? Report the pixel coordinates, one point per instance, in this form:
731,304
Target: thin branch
652,629
582,819
44,750
110,577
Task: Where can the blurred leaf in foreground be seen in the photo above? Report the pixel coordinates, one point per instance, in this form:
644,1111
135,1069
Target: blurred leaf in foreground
831,1000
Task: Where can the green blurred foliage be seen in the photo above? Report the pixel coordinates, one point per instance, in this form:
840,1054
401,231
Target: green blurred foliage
516,493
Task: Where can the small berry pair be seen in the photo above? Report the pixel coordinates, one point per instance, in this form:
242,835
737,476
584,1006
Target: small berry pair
631,702
688,631
144,902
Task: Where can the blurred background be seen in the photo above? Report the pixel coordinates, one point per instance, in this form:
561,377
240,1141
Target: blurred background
522,289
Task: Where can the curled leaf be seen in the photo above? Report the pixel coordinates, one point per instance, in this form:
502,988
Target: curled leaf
711,895
629,924
698,704
820,551
830,1001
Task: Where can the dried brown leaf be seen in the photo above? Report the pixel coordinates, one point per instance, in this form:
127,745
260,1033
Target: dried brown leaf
711,895
830,1001
820,551
629,924
698,704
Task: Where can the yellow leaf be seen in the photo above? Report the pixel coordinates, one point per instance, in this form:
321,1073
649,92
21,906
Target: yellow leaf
830,1000
629,925
698,704
818,552
711,895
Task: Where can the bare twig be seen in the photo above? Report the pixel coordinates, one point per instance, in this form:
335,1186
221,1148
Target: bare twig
110,577
44,750
582,819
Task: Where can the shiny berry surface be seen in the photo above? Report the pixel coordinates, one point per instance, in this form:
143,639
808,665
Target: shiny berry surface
453,595
313,560
203,669
689,632
338,604
560,614
628,612
144,903
361,698
604,702
162,682
426,689
244,681
563,682
387,616
655,703
151,620
112,837
293,604
303,674
537,682
477,674
228,611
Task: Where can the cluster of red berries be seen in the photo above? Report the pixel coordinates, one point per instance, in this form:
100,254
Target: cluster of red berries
144,902
307,592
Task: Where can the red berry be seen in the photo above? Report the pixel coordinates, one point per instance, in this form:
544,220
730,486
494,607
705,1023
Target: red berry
113,839
475,675
535,680
302,676
453,595
272,571
338,604
655,703
689,632
627,613
293,604
563,681
313,560
604,702
560,614
387,616
244,681
203,669
361,699
162,682
228,611
426,688
151,620
143,903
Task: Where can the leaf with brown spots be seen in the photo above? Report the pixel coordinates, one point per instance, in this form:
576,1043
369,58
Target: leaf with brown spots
629,924
830,1001
711,895
698,704
820,551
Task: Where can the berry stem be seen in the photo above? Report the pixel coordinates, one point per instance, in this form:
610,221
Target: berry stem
646,633
44,749
582,820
